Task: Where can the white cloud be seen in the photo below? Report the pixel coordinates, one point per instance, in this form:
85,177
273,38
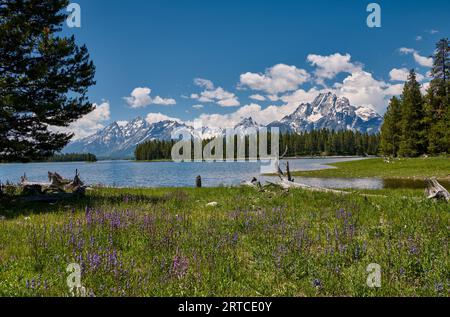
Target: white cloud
419,38
258,97
301,96
158,117
421,60
140,97
425,87
214,95
434,31
204,83
329,66
260,115
402,74
363,90
198,107
89,124
277,79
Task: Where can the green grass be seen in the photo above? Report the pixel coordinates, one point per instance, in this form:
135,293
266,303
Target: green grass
417,168
167,242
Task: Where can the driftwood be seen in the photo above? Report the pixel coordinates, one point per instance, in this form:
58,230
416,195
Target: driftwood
253,183
58,188
435,190
287,182
288,173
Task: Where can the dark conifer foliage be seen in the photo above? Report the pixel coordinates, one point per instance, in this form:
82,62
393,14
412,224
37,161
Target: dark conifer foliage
413,138
391,129
417,125
73,157
437,101
315,143
44,78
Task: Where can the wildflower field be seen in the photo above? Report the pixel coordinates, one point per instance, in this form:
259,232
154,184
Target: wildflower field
168,242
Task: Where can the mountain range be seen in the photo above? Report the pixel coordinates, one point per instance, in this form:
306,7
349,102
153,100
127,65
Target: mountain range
327,111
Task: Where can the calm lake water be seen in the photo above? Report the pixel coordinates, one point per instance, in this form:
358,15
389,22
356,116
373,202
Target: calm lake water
170,174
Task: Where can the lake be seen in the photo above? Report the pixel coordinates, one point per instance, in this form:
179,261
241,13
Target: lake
171,174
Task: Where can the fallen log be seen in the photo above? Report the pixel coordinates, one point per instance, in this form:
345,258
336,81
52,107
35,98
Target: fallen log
435,190
286,184
58,188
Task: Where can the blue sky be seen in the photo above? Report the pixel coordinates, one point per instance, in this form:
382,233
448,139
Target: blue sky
257,58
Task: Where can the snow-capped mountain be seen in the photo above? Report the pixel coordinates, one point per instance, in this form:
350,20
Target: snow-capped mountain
328,111
247,126
119,139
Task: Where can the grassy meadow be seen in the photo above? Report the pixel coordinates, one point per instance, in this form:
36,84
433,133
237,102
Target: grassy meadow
169,242
415,168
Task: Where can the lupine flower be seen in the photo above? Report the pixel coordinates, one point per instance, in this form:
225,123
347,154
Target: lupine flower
180,266
317,283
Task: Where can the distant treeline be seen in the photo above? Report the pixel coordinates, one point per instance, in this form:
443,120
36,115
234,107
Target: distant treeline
73,157
315,143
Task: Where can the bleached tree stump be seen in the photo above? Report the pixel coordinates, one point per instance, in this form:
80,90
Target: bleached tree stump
435,190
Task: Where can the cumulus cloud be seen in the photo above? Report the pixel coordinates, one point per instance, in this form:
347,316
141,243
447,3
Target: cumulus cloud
277,79
421,60
230,120
158,117
363,90
301,96
258,97
141,97
214,95
402,74
329,66
89,124
198,107
204,83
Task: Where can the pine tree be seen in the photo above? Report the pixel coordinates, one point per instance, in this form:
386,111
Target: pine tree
44,79
437,101
413,134
391,129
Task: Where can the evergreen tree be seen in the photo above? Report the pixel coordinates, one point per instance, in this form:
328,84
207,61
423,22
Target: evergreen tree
391,129
44,79
314,143
437,101
413,134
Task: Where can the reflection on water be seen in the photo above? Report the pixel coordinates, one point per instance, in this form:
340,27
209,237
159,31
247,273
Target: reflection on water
410,183
366,183
170,174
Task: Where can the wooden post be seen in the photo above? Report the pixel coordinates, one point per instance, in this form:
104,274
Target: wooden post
198,181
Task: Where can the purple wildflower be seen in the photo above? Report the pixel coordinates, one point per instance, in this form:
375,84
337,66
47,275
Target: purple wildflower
317,283
180,266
